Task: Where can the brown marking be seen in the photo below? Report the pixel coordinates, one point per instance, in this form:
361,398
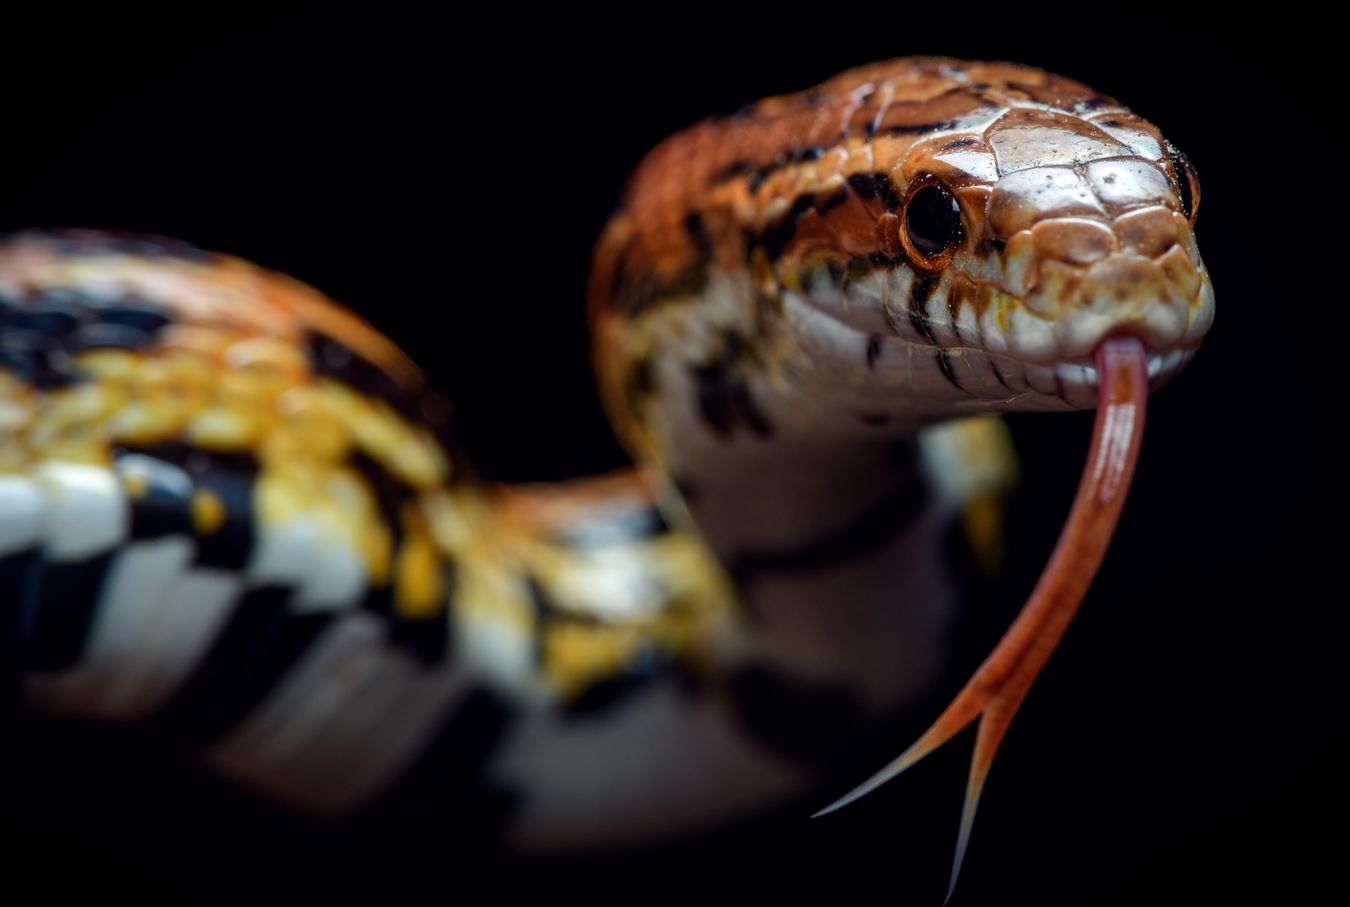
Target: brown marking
737,174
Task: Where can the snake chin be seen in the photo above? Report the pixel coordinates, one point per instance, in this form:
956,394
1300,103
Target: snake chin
1074,381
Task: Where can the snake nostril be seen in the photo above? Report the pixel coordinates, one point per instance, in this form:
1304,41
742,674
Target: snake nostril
1149,232
1177,266
1074,241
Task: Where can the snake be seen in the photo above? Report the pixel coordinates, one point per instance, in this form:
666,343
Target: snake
234,515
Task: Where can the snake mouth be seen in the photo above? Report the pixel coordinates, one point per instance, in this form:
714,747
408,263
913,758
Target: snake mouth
969,369
1075,380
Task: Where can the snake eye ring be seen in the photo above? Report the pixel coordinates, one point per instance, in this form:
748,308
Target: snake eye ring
1188,183
932,223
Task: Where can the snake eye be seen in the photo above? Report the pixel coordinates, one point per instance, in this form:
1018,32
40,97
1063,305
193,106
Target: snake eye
932,224
1188,184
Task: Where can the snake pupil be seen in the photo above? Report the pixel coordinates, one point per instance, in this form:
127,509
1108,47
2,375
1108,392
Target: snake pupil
932,221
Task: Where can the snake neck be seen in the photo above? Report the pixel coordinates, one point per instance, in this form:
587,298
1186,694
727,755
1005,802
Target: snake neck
837,555
825,512
761,502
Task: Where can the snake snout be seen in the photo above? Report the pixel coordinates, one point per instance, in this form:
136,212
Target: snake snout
1080,279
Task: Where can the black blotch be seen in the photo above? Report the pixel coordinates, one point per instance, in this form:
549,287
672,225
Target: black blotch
231,476
918,298
945,366
196,708
882,260
546,611
734,169
756,175
731,171
145,317
63,612
163,508
52,314
425,638
999,376
391,495
283,652
873,351
282,643
605,694
26,355
230,546
923,288
775,238
1093,102
98,336
196,461
724,394
698,235
18,571
959,143
919,127
635,292
40,332
418,404
876,186
334,359
640,385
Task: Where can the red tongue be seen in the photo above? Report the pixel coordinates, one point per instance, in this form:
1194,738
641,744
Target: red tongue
998,687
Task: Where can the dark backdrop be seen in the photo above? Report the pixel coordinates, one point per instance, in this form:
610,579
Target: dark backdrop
448,183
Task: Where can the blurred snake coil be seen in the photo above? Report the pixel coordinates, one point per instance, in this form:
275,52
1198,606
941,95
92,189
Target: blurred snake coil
231,511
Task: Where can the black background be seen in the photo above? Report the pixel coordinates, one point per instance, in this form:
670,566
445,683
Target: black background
448,183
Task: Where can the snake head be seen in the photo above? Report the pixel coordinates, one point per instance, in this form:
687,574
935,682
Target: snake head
1078,236
1009,244
911,241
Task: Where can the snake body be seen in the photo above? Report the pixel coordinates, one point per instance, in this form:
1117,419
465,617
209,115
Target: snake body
231,511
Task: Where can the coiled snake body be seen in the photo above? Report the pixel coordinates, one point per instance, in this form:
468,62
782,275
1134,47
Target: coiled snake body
229,509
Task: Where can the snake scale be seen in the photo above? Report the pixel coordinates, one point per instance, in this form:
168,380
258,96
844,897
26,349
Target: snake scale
231,511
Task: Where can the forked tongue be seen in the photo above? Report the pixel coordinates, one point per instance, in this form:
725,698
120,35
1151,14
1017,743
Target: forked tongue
1000,684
